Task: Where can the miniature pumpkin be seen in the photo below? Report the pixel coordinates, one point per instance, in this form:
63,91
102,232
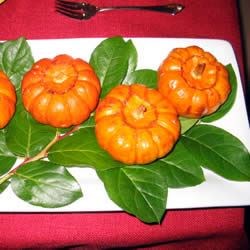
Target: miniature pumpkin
60,92
7,100
136,124
194,81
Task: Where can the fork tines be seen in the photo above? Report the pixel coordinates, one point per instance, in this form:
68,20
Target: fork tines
69,9
69,5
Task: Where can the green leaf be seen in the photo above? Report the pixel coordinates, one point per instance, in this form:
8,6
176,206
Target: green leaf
25,137
139,190
224,108
147,77
3,186
15,59
180,168
187,123
89,123
45,184
82,150
7,159
132,56
219,151
110,61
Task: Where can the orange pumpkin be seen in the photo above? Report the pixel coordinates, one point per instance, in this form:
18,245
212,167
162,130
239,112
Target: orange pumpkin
194,81
136,124
7,100
60,92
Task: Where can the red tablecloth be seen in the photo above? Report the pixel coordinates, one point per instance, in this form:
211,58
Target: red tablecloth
220,228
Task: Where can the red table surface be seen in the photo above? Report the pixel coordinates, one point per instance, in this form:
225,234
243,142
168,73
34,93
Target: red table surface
215,228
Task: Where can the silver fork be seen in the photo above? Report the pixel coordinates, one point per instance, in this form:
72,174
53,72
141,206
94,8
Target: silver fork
84,10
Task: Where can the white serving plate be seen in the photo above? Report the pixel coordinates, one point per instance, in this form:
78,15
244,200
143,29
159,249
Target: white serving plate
214,192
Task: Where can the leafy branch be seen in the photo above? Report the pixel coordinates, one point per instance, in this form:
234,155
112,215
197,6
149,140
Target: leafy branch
41,155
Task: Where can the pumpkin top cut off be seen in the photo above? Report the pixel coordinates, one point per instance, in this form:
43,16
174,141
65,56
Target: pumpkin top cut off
7,99
60,92
194,81
136,124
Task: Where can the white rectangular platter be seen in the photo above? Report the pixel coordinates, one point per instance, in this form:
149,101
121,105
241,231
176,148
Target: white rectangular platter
214,192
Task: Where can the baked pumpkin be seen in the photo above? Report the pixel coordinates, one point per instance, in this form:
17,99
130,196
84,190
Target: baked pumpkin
194,81
136,124
60,92
7,99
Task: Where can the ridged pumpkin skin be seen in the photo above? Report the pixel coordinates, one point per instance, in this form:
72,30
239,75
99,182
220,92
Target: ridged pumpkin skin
60,92
194,81
135,124
7,100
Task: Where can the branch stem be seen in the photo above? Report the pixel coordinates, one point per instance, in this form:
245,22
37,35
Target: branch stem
5,177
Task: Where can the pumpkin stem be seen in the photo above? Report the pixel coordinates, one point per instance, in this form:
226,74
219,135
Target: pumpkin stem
142,108
140,111
199,69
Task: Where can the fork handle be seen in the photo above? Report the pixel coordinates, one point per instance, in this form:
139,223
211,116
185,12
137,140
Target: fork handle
172,8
